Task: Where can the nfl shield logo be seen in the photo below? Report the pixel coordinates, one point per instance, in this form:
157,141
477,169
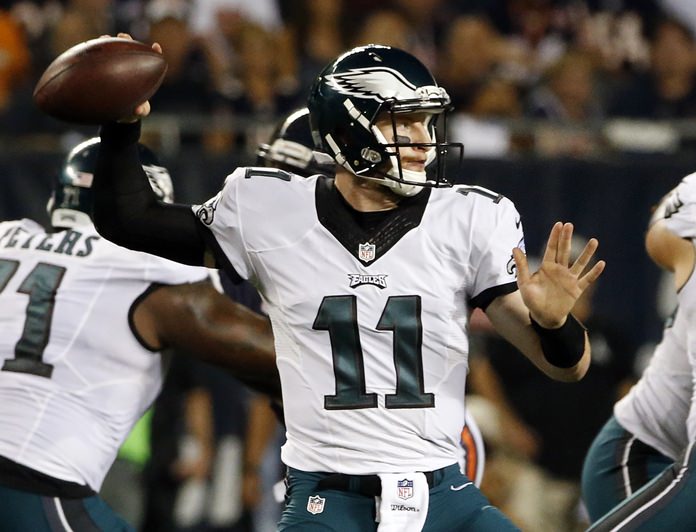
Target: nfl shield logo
405,488
366,252
315,504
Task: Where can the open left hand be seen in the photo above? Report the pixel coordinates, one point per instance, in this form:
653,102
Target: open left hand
551,292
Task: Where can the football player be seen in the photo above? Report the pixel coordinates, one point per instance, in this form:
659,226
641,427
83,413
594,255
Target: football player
654,427
83,326
369,279
291,148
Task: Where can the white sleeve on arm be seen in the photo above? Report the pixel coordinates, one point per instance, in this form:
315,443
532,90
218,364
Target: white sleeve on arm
678,208
221,215
498,230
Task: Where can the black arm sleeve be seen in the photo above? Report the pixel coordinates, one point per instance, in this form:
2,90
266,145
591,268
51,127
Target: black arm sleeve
126,209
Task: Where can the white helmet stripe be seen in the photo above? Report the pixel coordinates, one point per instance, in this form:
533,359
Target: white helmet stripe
335,148
356,114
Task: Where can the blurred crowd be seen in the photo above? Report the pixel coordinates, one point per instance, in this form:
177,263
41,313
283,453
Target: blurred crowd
236,65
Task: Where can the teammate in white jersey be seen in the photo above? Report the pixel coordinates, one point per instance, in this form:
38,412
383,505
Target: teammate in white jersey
659,415
83,323
647,432
369,279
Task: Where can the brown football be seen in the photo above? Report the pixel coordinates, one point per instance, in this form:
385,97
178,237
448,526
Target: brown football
100,80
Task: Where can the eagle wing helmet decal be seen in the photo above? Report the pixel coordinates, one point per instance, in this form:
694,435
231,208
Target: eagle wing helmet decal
375,83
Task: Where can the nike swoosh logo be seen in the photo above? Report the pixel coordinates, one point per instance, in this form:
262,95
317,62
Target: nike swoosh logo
457,488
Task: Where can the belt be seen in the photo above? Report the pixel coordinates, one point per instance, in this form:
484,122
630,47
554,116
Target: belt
17,476
369,485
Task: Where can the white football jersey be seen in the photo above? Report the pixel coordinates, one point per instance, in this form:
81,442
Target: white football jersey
74,376
658,409
370,327
680,217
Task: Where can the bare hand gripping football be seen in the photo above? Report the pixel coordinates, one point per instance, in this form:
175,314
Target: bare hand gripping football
100,80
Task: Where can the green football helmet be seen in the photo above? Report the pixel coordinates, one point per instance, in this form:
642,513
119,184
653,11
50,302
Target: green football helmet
368,83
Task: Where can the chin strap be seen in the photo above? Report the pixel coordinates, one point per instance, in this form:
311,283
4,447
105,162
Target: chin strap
405,189
402,189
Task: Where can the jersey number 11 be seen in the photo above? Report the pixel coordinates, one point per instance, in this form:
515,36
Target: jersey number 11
401,315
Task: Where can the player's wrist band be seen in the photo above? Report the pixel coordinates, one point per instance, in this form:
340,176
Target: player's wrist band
562,347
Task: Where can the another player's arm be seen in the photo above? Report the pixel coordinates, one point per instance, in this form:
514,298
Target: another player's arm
665,247
197,319
670,251
127,211
537,320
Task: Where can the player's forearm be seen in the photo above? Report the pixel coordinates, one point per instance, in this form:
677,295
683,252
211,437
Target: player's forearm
245,347
565,373
198,320
564,347
563,354
126,209
573,373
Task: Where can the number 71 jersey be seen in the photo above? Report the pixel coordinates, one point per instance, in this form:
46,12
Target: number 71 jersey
74,375
369,322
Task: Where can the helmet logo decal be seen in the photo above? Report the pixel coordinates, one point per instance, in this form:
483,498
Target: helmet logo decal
366,252
373,83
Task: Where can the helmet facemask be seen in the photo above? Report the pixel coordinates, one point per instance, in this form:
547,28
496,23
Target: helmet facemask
392,173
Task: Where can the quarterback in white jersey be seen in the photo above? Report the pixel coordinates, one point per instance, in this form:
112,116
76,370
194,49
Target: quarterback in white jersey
658,416
291,148
83,323
330,315
369,279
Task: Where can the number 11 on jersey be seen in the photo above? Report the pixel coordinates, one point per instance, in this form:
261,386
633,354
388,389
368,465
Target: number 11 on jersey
402,315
